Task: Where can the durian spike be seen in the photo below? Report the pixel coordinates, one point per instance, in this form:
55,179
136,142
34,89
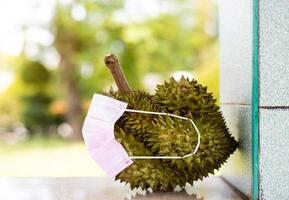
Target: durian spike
111,61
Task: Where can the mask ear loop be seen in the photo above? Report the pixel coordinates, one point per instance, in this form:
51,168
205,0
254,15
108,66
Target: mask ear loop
167,157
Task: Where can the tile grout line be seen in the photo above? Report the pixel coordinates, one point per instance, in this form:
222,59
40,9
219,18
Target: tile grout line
235,104
260,107
274,107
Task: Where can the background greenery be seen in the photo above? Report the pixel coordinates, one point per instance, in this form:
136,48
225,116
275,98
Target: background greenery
42,111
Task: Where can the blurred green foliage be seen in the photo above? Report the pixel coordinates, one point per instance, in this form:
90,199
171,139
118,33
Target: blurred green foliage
35,97
183,38
34,73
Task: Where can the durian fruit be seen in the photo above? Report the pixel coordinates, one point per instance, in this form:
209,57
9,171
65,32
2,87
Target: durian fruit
148,135
146,174
190,99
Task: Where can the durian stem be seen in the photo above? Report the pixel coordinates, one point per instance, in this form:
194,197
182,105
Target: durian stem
111,61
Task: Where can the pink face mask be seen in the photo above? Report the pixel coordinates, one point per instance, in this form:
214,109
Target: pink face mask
98,134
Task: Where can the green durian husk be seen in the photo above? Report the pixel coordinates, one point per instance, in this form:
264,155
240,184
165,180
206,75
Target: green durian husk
146,174
143,134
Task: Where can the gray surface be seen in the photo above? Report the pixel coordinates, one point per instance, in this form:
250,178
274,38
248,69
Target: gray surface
213,188
274,154
235,51
274,91
235,37
274,52
238,168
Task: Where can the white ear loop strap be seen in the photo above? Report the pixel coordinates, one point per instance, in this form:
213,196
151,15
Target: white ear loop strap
167,157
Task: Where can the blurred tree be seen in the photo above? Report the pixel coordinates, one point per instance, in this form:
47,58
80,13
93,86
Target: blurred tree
36,101
73,40
161,44
182,35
